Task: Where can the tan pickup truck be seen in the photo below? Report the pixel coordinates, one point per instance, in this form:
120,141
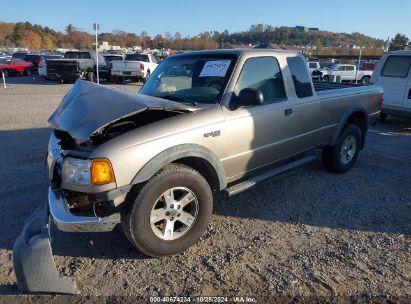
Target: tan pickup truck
204,123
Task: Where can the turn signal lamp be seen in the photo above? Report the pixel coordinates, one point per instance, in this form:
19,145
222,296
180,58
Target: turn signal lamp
101,172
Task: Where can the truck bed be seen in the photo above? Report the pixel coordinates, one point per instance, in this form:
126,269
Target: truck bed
326,86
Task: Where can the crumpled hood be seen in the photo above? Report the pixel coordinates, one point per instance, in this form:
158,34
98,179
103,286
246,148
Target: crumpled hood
88,107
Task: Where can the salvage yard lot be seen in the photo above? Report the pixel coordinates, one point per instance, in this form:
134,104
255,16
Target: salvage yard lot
306,233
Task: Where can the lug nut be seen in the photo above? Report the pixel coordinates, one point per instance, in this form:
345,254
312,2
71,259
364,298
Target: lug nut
167,213
171,206
172,219
178,214
178,207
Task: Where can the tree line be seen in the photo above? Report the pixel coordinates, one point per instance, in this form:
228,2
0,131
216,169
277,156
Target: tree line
37,37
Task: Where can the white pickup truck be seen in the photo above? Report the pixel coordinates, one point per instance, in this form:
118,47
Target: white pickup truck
312,66
136,66
347,72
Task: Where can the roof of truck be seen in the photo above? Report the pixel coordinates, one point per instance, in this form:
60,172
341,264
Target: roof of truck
237,52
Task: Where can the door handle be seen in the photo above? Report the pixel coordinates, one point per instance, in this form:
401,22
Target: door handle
409,94
289,112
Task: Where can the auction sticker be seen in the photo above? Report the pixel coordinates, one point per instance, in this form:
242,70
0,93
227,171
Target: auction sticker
215,68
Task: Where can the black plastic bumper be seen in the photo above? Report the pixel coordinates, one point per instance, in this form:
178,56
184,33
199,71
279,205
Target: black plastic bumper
33,260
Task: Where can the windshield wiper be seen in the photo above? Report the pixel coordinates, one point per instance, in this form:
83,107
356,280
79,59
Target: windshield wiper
178,98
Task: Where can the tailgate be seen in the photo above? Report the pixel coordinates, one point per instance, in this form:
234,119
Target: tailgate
62,65
132,65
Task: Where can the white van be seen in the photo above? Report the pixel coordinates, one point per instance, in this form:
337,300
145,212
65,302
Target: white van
394,75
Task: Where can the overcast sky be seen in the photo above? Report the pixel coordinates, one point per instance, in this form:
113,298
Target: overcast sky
378,18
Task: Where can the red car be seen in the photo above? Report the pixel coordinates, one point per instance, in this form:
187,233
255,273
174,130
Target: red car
15,67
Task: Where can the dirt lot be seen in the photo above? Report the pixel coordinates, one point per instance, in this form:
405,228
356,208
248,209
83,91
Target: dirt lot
306,234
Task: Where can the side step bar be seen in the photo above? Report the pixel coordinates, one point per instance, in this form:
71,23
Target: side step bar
245,185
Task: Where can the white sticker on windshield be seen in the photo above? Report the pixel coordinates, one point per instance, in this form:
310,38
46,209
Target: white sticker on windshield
215,68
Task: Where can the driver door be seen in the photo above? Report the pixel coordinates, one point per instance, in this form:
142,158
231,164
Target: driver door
253,133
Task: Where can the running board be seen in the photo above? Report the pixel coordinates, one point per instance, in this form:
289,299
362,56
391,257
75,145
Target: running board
245,185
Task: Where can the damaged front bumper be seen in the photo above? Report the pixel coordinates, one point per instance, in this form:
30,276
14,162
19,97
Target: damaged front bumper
32,255
33,260
66,221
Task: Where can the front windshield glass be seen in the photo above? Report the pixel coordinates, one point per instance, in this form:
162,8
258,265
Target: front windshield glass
191,78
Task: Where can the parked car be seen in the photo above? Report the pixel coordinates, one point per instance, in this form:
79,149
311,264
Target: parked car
313,65
77,65
136,66
19,55
367,66
34,59
320,73
347,72
10,67
394,75
42,68
205,122
109,58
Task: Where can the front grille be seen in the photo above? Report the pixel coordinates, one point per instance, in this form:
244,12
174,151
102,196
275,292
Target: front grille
66,141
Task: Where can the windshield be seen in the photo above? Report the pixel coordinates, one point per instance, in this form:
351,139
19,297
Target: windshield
191,78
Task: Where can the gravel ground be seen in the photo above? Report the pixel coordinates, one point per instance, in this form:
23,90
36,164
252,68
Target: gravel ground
304,235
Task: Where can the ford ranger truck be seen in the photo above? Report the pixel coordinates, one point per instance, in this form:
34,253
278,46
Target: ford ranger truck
204,123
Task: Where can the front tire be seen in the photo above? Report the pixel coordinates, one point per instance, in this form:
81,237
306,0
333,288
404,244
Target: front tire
341,157
169,213
6,73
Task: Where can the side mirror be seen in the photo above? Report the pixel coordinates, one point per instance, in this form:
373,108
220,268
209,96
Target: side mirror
250,97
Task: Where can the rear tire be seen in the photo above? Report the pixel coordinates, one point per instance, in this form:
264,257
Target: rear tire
90,76
383,117
144,80
341,157
365,80
27,72
169,213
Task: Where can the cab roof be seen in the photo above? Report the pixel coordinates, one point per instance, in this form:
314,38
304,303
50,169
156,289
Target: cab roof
237,52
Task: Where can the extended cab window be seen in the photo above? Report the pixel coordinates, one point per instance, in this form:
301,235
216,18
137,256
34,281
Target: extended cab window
312,65
396,66
349,68
301,79
262,73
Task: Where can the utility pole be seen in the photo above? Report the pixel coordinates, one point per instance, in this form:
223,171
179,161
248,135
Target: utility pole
96,27
358,65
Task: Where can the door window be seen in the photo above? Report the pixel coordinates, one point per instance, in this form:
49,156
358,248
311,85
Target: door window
264,74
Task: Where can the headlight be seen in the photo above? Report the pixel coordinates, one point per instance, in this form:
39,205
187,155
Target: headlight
76,171
87,172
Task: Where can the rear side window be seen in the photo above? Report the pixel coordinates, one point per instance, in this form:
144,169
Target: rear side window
396,66
301,79
136,57
349,68
262,73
